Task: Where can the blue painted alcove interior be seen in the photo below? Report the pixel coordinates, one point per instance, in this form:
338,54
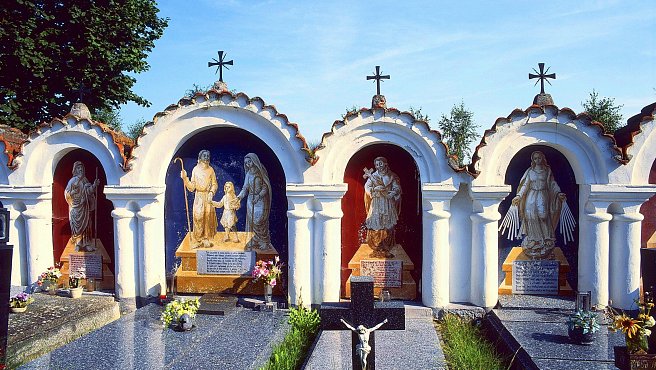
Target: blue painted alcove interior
227,147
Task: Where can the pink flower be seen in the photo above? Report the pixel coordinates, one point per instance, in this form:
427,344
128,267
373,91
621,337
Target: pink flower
273,283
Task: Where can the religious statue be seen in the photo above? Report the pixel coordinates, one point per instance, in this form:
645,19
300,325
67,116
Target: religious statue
230,205
81,197
363,348
382,202
203,183
258,204
536,210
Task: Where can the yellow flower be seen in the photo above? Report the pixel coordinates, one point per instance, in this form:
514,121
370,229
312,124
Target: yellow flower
627,325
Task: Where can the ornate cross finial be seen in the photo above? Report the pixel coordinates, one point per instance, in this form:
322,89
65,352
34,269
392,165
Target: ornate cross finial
377,76
542,76
82,90
220,64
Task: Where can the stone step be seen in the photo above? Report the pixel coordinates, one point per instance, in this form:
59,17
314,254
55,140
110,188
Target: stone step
51,321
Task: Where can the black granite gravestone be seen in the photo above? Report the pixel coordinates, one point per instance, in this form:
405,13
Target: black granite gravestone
6,252
362,311
217,304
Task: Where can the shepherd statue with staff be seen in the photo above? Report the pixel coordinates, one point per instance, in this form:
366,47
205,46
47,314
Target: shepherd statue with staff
203,183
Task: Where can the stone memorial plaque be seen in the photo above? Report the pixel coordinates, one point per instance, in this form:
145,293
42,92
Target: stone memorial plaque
224,263
386,273
91,264
535,277
217,304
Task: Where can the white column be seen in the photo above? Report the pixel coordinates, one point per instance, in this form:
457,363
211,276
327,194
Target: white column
624,271
328,242
435,270
593,256
485,244
38,224
151,240
300,247
18,260
124,254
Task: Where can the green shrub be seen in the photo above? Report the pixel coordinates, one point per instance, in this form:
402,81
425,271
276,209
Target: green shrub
290,353
465,346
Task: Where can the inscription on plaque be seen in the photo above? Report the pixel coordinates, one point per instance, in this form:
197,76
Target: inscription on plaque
386,273
535,277
224,263
90,264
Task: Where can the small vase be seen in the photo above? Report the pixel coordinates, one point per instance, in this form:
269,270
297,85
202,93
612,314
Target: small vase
268,292
18,309
75,292
577,336
185,323
49,287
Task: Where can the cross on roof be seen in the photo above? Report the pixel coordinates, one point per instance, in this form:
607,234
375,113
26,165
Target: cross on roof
363,311
82,89
220,64
377,76
542,76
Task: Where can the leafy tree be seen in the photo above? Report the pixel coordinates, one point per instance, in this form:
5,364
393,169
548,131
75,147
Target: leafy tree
133,130
109,116
603,110
459,131
48,48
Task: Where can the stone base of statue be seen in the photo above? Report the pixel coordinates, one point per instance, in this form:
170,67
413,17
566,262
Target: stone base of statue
391,274
96,264
517,254
223,268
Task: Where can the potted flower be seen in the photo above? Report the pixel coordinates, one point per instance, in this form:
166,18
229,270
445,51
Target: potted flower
636,332
268,272
582,325
48,279
75,283
19,302
180,313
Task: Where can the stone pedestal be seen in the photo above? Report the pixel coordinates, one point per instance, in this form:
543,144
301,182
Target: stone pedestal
408,289
188,280
517,254
107,281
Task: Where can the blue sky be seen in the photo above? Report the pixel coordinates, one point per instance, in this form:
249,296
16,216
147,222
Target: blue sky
310,59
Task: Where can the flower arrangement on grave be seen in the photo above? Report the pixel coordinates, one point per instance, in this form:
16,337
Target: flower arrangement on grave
20,300
49,277
267,272
180,312
582,325
636,329
75,279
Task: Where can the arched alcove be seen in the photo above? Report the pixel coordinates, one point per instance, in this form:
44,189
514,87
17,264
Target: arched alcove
409,227
648,209
566,180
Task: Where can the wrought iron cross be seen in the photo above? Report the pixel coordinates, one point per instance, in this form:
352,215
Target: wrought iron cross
220,64
377,76
542,76
82,90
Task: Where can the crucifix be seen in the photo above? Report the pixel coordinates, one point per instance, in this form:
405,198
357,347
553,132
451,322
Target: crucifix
220,64
82,90
377,76
542,76
362,316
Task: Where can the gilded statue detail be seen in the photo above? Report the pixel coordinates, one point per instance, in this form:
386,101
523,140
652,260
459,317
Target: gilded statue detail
257,190
80,195
382,202
203,183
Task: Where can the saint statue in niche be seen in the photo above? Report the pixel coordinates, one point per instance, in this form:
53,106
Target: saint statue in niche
230,205
80,195
203,183
382,202
363,348
537,209
258,204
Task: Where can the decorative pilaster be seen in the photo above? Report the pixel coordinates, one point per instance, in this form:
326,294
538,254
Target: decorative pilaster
593,256
624,259
151,245
124,254
435,271
485,244
300,245
18,261
327,252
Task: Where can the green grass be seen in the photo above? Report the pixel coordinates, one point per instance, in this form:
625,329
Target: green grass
465,346
290,353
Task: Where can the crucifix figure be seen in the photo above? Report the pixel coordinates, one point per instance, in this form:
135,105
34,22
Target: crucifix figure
220,64
377,76
542,76
363,316
82,90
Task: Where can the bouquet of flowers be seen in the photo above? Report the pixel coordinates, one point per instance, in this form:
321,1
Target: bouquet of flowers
20,300
51,275
268,271
175,309
75,278
636,330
